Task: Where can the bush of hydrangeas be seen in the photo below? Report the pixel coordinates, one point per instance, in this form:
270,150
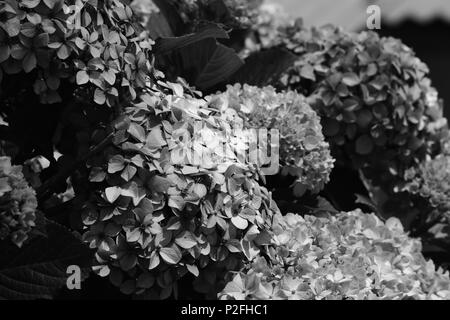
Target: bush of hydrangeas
95,47
166,193
270,20
173,197
302,149
373,95
234,13
348,256
152,219
17,203
431,180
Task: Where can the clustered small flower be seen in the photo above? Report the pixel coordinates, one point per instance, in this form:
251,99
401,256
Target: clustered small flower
348,256
162,207
431,180
372,93
270,19
235,13
246,11
17,203
303,150
54,40
143,10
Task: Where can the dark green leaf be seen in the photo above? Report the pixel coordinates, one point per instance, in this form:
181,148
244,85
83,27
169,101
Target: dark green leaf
262,68
361,199
210,30
169,10
207,63
38,270
158,26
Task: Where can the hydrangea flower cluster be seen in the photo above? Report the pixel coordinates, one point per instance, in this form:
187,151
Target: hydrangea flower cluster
232,13
173,197
348,256
55,40
372,93
431,180
143,10
302,147
17,203
244,11
266,27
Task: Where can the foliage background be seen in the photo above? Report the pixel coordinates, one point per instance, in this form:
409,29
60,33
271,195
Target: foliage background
89,71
